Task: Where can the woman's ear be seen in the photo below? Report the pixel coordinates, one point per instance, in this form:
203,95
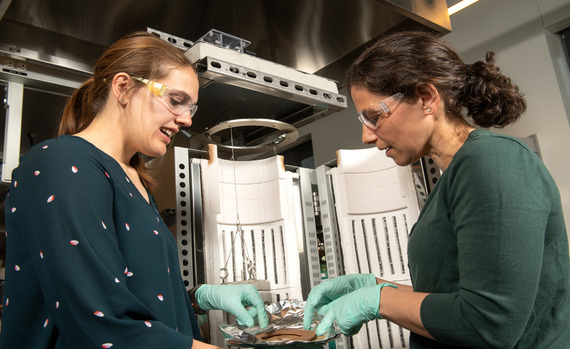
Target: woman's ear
429,97
120,86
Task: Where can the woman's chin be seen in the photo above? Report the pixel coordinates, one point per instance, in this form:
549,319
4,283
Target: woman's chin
156,152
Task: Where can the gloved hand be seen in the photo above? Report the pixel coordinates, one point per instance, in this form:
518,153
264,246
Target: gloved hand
352,310
233,299
331,289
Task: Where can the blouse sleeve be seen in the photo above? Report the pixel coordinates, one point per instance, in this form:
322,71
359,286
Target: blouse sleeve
500,204
62,204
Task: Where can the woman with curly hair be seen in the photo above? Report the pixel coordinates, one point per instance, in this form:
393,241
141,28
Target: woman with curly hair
488,256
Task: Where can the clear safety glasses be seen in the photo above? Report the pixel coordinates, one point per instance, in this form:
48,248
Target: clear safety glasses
370,118
176,101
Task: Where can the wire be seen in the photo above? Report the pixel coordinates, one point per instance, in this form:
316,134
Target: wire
239,230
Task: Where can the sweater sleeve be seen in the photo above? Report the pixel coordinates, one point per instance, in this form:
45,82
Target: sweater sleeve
500,200
62,211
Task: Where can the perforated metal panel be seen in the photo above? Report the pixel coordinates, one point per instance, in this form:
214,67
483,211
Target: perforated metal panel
178,198
333,252
329,221
184,231
307,179
431,172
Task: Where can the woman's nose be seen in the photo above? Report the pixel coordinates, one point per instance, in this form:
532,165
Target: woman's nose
368,135
184,119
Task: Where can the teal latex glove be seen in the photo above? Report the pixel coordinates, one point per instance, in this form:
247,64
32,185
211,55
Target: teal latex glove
233,299
352,310
331,289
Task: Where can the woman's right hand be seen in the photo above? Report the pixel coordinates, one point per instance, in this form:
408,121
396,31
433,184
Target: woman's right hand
201,345
332,289
233,299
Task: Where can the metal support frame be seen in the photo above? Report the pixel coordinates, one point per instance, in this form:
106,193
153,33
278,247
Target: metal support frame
329,222
4,4
197,223
31,57
330,225
13,130
184,217
236,75
179,42
431,173
306,180
225,40
22,67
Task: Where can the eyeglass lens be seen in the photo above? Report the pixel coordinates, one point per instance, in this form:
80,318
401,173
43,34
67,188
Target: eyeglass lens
178,102
372,120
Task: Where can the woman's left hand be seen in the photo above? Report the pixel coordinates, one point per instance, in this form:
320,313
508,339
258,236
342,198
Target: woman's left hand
331,289
233,299
352,310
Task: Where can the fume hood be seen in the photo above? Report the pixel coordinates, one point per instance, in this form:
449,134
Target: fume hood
52,45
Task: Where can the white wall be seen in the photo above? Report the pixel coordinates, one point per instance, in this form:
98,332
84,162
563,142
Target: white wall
521,33
527,51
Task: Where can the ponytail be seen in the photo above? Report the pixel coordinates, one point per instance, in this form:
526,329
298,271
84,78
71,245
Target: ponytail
490,97
78,112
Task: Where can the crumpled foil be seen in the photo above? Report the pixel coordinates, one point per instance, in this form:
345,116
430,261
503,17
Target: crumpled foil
286,314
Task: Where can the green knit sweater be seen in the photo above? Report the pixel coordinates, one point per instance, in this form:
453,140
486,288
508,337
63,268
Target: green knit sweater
491,248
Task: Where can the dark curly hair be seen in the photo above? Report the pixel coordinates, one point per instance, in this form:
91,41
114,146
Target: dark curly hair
402,61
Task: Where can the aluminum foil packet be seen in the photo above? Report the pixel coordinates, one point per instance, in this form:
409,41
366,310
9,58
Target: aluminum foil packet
283,315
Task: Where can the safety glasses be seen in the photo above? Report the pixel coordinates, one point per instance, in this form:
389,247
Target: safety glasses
370,118
176,101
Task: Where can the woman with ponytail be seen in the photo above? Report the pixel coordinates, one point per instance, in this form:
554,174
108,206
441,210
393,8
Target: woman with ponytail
90,263
488,256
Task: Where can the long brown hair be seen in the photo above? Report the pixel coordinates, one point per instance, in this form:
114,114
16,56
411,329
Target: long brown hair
139,54
402,61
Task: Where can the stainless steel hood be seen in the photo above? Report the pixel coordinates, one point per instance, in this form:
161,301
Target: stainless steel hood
319,37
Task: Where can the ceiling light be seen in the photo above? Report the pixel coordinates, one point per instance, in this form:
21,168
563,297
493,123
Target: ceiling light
460,6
